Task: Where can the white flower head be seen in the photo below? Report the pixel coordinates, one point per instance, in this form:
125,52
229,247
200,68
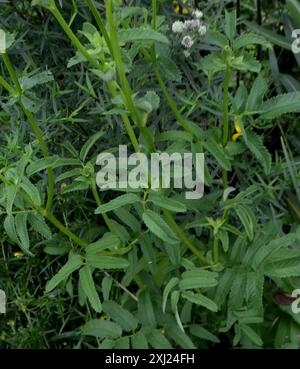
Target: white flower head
197,14
191,25
187,42
177,27
202,30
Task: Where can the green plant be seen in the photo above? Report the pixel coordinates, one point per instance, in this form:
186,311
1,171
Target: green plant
183,273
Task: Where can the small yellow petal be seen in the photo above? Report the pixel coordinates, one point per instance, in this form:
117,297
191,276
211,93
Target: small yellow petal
177,8
185,11
236,136
18,254
237,127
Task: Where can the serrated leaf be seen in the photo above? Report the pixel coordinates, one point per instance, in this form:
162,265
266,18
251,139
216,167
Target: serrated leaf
141,34
198,278
258,90
101,329
256,146
106,262
108,241
127,218
218,153
10,228
169,69
39,225
10,193
251,39
41,164
159,227
158,341
31,191
175,136
201,332
216,38
251,334
21,228
224,286
247,220
139,341
120,315
283,268
213,63
74,263
148,251
279,105
182,339
88,286
167,203
199,299
246,62
266,251
118,202
269,35
230,24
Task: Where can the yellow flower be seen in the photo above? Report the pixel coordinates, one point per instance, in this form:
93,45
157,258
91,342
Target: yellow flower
179,9
238,133
18,254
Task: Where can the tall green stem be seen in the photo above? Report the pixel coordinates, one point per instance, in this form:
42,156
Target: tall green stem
72,37
226,117
216,249
7,86
113,89
122,75
64,230
99,22
170,100
12,73
39,135
183,237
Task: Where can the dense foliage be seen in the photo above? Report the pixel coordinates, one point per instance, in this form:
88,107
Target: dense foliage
90,268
